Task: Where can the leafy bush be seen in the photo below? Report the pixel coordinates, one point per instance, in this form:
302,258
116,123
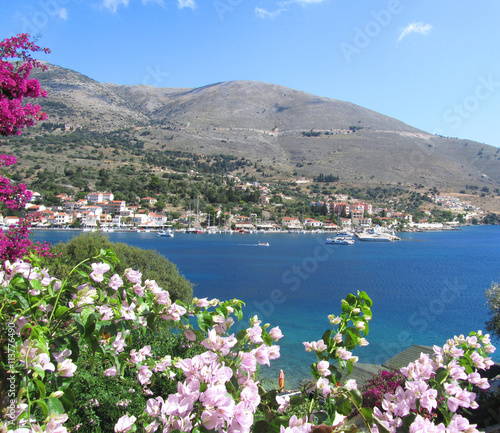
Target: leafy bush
493,296
101,400
150,263
488,412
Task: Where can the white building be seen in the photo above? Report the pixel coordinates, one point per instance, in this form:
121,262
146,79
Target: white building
60,218
95,197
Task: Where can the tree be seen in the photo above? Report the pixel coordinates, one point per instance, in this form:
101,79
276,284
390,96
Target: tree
493,296
151,264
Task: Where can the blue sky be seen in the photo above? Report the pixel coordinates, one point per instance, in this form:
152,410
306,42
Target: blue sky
432,64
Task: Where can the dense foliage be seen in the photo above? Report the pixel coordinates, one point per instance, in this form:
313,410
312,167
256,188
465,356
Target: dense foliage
493,297
152,264
101,400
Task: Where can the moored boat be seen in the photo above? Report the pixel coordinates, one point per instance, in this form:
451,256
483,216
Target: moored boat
377,236
340,240
166,233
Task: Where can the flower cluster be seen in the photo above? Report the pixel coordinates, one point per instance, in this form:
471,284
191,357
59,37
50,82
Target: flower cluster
15,85
334,355
442,383
15,242
217,389
16,64
383,382
349,331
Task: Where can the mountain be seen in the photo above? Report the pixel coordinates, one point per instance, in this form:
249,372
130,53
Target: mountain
294,132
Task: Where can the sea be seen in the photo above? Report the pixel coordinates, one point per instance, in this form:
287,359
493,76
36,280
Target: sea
426,288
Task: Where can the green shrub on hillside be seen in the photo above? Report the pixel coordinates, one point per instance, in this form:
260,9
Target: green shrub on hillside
101,400
493,297
150,263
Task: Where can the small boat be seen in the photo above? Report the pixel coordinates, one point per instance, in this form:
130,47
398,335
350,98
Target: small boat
263,244
340,240
375,235
166,233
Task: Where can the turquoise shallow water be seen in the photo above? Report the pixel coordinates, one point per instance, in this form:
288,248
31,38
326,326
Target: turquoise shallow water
425,288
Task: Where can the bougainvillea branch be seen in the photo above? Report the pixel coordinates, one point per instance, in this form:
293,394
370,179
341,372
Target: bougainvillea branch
16,64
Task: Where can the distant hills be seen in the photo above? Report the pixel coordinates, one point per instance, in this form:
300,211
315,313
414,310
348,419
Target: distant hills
296,133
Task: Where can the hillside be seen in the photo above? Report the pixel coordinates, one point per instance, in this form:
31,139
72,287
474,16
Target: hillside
292,132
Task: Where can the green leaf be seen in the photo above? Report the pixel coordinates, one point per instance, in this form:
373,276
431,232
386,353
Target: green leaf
366,310
365,298
350,365
356,397
336,373
60,311
86,312
41,388
238,312
68,399
204,320
240,336
447,415
381,427
222,310
82,273
55,406
343,406
75,349
24,303
96,347
36,285
43,407
321,418
352,336
367,413
345,307
90,324
151,321
441,375
267,338
351,299
261,427
408,420
80,327
297,400
275,424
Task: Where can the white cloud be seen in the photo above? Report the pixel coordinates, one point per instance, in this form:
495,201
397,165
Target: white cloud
63,13
262,13
420,28
113,5
158,2
308,2
181,4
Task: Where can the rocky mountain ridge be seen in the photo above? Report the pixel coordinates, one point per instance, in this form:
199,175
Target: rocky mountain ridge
297,133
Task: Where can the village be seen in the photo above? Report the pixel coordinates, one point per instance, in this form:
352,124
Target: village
99,210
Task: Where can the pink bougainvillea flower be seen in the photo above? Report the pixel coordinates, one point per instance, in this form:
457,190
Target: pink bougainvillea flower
133,276
124,424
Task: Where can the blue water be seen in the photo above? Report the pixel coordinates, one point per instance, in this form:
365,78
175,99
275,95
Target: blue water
425,289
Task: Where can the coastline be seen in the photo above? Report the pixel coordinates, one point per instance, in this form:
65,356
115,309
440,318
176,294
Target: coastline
445,227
